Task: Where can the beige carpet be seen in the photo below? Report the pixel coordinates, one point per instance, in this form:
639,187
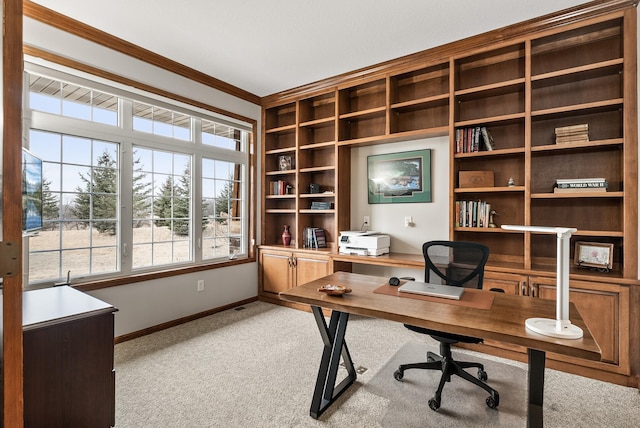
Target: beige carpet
256,368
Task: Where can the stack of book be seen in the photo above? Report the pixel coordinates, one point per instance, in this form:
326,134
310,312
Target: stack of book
469,140
279,187
581,185
314,237
572,134
472,213
321,205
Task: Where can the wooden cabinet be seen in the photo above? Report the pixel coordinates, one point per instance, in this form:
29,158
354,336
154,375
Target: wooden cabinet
281,269
69,377
605,309
604,306
508,283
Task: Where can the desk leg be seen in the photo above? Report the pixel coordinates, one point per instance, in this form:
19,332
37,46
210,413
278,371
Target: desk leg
536,387
326,392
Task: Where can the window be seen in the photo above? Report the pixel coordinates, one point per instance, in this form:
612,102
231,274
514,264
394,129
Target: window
160,121
222,207
70,100
160,187
80,189
161,208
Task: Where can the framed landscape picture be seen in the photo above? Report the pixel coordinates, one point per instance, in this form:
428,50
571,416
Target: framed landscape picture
403,177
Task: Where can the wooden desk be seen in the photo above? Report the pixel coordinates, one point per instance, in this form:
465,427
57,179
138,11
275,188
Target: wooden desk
505,322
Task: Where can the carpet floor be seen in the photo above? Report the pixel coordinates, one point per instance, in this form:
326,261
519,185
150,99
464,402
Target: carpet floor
256,367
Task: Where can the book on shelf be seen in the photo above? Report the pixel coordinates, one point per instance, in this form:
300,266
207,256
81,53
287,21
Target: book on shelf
279,187
469,140
578,189
321,205
581,185
572,139
580,180
472,213
572,134
314,237
572,129
488,138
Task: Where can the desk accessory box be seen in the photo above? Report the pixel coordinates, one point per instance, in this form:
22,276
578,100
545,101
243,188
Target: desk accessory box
475,179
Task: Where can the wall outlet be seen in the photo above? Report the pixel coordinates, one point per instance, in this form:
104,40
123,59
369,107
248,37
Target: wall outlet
200,285
365,221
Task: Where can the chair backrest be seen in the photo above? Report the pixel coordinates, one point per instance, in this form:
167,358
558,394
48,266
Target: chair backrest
457,263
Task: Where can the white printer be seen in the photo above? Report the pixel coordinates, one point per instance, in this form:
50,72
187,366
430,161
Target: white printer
363,243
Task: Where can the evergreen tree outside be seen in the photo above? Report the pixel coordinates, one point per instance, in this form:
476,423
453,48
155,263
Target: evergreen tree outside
98,200
162,207
50,205
141,187
181,202
173,207
223,202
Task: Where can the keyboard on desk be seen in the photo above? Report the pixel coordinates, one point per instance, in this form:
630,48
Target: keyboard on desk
434,290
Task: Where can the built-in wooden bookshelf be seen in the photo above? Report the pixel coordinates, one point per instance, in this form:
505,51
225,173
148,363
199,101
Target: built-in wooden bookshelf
520,84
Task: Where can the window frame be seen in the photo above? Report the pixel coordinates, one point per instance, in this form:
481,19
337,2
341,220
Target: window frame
121,134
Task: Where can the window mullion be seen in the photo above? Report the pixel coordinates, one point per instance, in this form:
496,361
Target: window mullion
126,207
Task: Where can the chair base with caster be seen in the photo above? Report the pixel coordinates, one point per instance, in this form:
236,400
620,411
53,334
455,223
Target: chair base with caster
450,367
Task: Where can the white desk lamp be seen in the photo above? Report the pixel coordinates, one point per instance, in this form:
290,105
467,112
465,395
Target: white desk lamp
560,327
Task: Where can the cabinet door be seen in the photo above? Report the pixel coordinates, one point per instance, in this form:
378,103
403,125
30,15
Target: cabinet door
509,283
310,267
604,308
275,271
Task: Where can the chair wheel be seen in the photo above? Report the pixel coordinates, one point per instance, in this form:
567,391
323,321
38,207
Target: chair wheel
492,403
434,404
398,375
482,375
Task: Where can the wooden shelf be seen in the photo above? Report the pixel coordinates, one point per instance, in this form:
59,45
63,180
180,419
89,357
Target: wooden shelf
318,169
594,145
314,146
491,90
489,189
287,172
280,196
280,151
496,152
491,120
597,105
577,195
421,103
604,67
317,195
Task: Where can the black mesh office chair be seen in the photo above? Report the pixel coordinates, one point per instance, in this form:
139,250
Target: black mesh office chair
465,268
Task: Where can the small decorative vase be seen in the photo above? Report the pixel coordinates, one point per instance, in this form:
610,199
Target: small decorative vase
286,236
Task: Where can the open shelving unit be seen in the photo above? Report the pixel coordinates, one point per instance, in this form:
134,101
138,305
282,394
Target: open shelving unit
521,93
571,68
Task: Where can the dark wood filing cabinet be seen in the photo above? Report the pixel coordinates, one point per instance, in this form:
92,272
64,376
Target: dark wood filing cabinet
69,377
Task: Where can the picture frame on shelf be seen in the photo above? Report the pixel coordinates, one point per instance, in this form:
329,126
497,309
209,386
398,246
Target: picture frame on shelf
403,177
597,255
284,163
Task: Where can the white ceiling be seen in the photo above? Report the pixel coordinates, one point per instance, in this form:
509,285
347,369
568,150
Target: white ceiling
267,46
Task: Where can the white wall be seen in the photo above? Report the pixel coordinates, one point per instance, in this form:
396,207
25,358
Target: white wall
431,220
146,304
